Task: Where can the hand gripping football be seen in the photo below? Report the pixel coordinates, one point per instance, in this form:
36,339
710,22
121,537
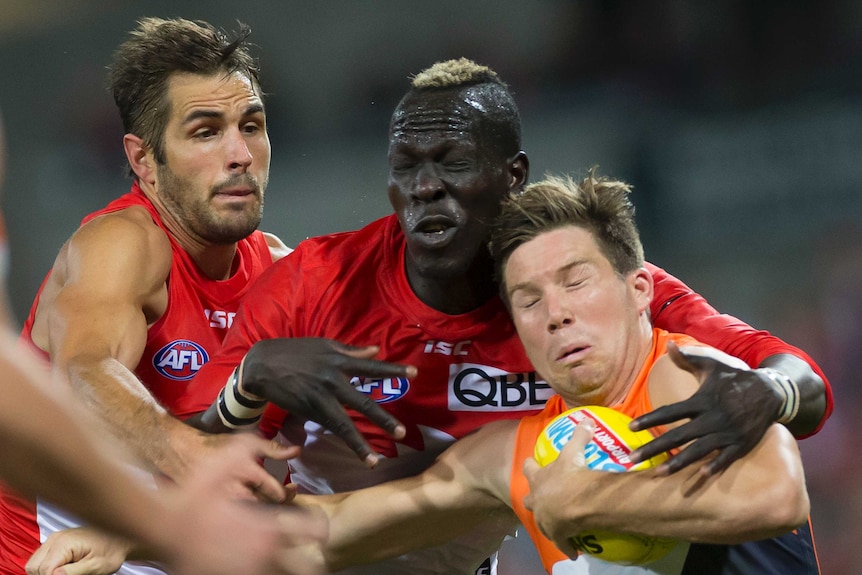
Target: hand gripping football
609,450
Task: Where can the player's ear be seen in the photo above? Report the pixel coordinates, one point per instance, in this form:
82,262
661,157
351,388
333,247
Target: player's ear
642,286
140,158
519,171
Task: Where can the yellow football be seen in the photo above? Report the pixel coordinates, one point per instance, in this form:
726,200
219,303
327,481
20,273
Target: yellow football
609,450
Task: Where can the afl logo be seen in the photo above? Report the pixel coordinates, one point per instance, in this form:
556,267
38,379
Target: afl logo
382,390
180,360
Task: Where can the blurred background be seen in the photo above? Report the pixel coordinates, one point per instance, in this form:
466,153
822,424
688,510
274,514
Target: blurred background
739,124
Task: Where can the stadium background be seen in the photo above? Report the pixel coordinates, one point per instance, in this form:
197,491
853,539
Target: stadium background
739,123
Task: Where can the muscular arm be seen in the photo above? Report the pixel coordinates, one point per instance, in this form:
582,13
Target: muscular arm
107,285
467,486
815,395
733,407
761,495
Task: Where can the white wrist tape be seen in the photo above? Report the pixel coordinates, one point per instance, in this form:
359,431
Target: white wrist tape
236,409
789,391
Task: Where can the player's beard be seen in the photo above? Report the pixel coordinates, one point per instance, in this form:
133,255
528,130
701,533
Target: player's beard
195,212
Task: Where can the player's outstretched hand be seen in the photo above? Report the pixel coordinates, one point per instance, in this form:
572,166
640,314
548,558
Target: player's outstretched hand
310,378
247,478
220,535
554,488
729,413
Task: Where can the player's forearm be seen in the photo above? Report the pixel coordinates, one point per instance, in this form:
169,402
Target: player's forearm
760,496
359,532
208,421
467,487
231,410
812,400
131,413
345,546
395,518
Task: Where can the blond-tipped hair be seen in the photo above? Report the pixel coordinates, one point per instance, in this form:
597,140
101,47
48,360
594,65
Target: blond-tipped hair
455,72
497,116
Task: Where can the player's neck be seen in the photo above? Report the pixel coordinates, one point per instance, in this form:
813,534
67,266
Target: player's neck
215,261
453,295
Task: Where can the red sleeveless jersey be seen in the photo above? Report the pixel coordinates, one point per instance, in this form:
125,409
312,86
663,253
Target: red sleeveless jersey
197,316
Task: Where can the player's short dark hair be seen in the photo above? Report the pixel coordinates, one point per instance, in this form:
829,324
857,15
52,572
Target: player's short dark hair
159,48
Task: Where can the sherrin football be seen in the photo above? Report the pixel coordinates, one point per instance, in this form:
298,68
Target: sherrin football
609,450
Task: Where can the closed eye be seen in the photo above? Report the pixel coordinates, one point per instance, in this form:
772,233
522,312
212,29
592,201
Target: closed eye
458,166
525,302
401,162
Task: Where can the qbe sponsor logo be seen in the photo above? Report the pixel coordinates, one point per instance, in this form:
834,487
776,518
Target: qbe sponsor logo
382,390
180,360
474,387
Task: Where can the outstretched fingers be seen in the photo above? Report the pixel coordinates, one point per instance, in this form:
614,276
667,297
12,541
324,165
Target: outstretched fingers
376,414
332,416
668,414
240,460
363,364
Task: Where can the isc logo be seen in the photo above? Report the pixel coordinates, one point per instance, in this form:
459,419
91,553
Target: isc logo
180,359
220,319
474,387
382,390
447,348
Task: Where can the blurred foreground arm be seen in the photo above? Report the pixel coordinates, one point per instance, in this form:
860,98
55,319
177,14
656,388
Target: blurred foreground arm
197,528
